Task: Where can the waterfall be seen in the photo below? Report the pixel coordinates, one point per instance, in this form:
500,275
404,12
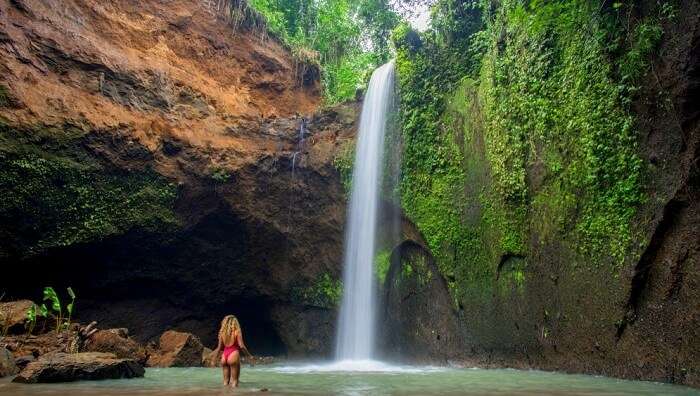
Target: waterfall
302,130
355,340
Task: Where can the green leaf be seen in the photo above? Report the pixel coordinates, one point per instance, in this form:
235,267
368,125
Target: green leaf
31,313
50,294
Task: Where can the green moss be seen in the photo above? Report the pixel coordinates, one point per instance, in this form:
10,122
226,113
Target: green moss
381,265
55,194
551,101
344,162
325,292
527,136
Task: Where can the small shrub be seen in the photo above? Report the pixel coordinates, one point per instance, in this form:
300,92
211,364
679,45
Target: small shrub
220,175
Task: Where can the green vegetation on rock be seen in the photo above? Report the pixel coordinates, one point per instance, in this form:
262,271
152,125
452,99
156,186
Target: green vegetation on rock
517,130
344,162
325,292
57,194
382,261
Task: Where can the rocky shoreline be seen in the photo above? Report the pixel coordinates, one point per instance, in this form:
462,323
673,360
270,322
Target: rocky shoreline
84,352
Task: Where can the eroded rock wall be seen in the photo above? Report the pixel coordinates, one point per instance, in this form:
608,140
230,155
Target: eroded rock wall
147,152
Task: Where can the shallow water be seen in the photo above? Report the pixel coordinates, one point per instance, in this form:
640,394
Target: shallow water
320,380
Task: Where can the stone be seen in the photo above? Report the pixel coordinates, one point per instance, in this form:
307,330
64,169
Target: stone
177,349
419,322
7,363
65,367
41,344
181,21
13,316
209,358
23,361
116,341
121,332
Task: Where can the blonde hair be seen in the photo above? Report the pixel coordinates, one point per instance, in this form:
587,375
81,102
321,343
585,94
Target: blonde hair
230,329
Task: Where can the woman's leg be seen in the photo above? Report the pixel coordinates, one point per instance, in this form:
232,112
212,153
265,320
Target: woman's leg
234,360
227,371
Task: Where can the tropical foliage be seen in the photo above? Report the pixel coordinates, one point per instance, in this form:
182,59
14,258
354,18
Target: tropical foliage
348,38
516,122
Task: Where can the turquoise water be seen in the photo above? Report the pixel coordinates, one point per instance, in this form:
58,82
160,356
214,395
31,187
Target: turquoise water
310,380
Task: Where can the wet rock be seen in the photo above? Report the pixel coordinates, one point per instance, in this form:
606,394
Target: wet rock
23,361
64,367
13,315
7,363
177,349
116,341
419,322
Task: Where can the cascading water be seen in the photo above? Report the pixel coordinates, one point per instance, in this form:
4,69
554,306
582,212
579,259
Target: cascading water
356,328
302,130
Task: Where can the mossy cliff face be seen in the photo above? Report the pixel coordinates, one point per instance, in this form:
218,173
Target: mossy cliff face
58,195
151,166
549,165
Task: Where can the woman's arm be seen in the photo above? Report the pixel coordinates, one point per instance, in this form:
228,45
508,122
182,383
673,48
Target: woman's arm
242,345
219,347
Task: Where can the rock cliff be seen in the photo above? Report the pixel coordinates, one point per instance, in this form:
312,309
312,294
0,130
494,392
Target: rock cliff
167,159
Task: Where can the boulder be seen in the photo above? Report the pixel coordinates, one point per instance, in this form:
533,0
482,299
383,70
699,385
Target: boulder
116,341
13,316
209,358
7,363
23,361
65,367
177,349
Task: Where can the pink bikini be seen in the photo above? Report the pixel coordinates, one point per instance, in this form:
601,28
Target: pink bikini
228,350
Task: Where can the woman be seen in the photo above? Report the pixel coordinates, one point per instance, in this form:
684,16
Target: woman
231,343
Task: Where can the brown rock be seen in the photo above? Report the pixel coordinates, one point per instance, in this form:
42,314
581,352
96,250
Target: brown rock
13,315
7,363
26,344
177,349
121,332
64,367
23,361
116,341
209,358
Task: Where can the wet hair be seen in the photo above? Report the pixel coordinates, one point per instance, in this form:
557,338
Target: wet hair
230,329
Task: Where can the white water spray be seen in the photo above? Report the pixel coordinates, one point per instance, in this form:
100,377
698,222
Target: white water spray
356,328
